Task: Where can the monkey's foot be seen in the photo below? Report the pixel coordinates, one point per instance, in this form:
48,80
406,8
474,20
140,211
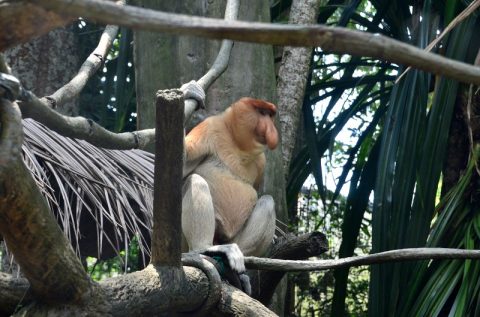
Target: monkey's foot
234,271
238,280
231,252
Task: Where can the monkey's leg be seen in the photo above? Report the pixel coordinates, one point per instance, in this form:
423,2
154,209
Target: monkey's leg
198,217
257,233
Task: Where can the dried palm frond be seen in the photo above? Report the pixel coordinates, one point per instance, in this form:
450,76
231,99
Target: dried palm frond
101,198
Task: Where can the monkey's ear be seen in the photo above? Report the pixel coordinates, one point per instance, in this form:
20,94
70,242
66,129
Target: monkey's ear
260,104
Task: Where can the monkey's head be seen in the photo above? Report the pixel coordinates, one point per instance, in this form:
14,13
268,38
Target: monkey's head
252,124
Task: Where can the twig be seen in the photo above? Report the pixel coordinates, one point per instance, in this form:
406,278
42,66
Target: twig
378,258
337,40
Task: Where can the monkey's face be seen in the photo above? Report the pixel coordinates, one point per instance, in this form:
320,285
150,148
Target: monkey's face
254,126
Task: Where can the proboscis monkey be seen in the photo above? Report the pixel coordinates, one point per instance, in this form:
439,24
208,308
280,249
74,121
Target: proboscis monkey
224,167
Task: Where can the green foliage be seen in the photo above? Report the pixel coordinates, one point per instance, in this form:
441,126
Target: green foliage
314,291
123,263
411,160
388,139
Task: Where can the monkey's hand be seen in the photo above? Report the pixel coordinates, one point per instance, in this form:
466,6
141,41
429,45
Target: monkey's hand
192,90
235,273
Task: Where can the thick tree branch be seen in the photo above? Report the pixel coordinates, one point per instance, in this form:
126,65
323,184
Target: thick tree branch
156,289
290,247
27,226
236,303
13,293
336,40
412,254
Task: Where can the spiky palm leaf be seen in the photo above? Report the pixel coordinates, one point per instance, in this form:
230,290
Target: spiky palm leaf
414,136
101,198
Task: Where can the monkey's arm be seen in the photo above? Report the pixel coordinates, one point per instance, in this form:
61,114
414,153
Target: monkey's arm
197,147
260,168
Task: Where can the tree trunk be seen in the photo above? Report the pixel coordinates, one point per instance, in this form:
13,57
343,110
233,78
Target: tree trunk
47,63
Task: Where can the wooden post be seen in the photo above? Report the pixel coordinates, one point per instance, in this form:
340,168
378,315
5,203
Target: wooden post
167,195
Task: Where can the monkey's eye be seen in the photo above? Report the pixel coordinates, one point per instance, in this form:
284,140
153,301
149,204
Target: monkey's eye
263,112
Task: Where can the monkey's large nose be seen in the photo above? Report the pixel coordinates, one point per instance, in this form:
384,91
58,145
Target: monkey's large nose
271,136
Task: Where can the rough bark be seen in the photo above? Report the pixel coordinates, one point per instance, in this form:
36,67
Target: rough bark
458,146
164,61
152,290
291,248
13,293
45,64
292,78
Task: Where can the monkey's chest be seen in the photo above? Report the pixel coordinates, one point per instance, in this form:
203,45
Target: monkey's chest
233,199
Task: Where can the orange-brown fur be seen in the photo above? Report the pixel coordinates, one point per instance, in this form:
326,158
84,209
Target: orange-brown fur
229,150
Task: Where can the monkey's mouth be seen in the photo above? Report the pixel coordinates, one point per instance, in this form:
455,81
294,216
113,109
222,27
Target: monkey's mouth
261,139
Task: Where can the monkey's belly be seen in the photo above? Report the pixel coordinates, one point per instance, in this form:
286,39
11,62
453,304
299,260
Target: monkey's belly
233,200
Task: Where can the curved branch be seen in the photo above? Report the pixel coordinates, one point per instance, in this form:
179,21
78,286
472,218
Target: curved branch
73,88
96,59
221,62
333,39
378,258
82,128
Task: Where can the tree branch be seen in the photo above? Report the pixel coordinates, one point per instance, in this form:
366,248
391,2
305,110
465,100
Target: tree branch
333,39
96,59
290,247
27,226
221,62
82,128
378,258
13,293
